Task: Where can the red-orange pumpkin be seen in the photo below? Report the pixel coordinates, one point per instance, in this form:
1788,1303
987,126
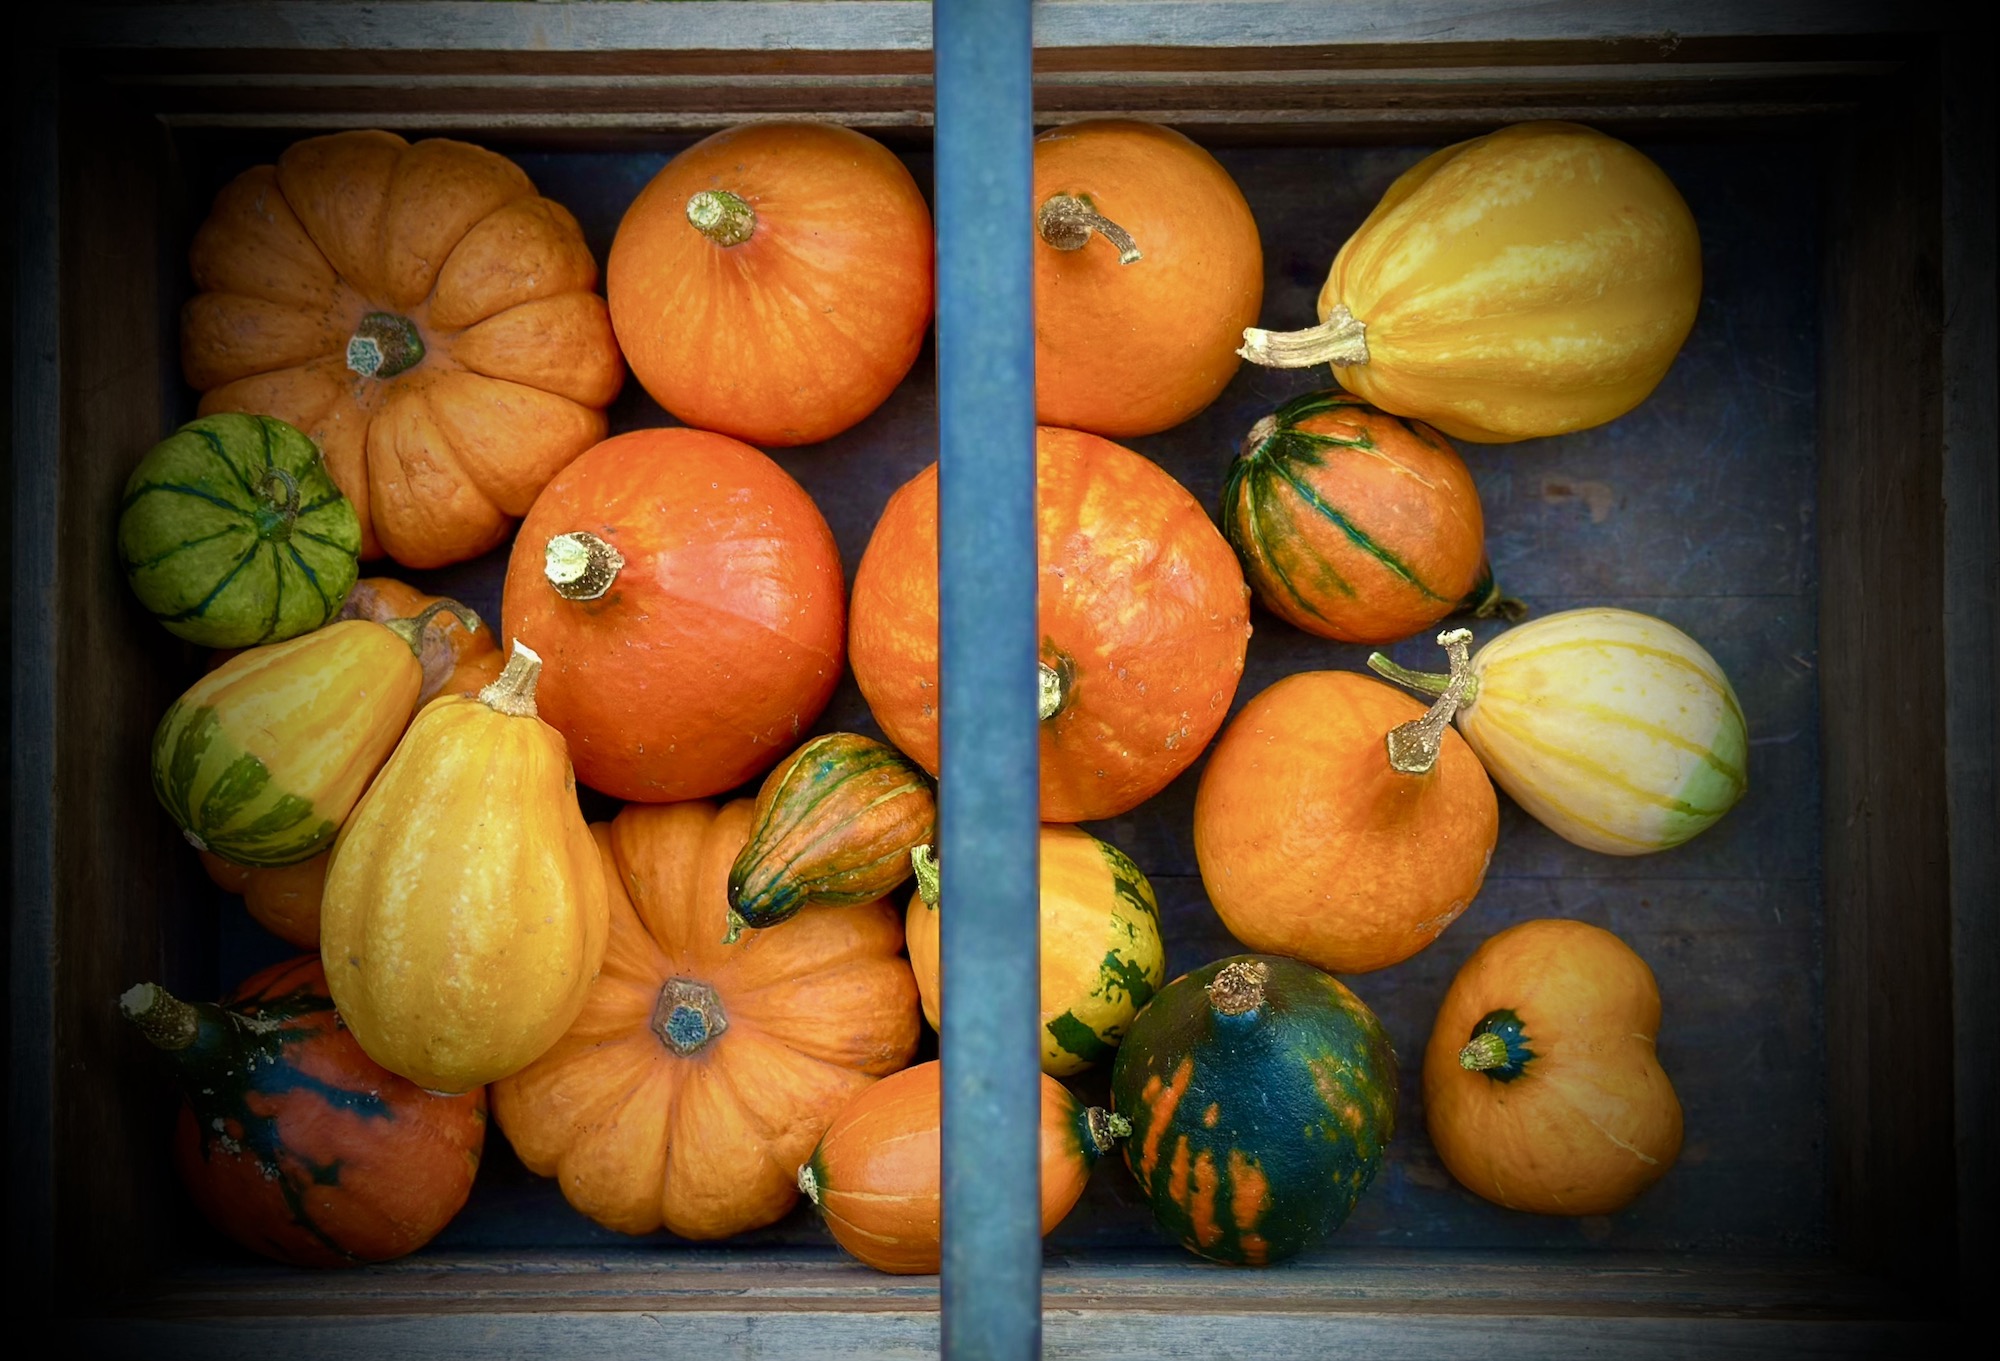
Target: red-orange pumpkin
684,594
1144,620
773,282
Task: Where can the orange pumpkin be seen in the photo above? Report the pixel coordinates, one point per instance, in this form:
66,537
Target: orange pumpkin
685,596
877,1174
773,282
1144,620
284,901
1341,823
698,1075
422,315
1147,269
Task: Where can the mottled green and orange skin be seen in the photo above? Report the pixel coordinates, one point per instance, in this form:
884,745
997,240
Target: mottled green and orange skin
1253,1135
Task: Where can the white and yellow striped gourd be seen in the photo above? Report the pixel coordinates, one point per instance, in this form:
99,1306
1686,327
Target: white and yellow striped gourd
1614,729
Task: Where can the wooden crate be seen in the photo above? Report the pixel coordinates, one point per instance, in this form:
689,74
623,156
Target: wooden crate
1811,493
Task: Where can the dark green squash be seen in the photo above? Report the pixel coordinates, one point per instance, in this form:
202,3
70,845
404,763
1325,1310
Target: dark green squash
232,533
835,824
1261,1094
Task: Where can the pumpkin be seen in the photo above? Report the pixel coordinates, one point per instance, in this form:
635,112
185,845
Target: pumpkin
1147,269
1542,1086
876,1174
456,660
1144,620
261,759
698,1074
686,594
1101,957
1261,1094
464,914
284,901
1612,728
1353,524
291,1140
1340,823
232,533
834,824
773,281
1530,282
422,315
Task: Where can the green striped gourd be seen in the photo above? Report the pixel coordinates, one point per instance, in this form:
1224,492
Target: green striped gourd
1614,729
1102,960
232,533
264,757
835,824
1354,524
1261,1094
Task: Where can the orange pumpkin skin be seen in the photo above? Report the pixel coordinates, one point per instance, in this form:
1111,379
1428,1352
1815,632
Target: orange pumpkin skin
1131,349
450,242
1580,1118
877,1173
799,331
707,1143
1141,601
715,645
284,901
1310,845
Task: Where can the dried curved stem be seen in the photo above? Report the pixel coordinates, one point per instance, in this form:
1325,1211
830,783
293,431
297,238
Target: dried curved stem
1340,340
1066,222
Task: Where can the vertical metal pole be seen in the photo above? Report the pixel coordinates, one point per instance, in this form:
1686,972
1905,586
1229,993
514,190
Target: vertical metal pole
989,799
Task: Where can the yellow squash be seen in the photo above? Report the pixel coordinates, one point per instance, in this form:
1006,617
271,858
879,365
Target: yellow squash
1536,280
1614,729
465,912
1102,960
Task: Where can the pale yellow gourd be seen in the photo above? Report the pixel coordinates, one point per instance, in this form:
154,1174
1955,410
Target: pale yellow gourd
1534,281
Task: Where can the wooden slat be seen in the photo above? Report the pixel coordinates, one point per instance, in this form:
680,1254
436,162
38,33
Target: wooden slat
1888,920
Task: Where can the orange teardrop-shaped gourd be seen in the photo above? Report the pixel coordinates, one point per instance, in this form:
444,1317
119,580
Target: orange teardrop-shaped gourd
1147,269
464,913
1144,620
699,1074
876,1174
773,281
1542,1083
1312,845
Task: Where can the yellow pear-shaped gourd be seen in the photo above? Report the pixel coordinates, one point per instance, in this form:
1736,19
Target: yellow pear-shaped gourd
1536,280
1614,729
1101,958
465,911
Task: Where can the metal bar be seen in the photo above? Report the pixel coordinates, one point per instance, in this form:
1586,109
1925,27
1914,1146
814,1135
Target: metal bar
36,434
989,795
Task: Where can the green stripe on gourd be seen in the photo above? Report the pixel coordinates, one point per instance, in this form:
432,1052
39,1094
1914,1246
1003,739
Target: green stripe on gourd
232,533
206,783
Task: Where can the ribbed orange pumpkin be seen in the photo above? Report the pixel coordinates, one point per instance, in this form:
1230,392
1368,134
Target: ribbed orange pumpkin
685,596
773,282
422,315
698,1075
1147,269
1144,620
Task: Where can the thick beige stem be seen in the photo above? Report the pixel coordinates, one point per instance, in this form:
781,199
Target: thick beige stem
581,566
1066,221
1414,746
722,217
513,693
1341,340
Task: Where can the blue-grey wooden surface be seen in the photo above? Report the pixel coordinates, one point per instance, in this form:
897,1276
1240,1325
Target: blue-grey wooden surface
1697,507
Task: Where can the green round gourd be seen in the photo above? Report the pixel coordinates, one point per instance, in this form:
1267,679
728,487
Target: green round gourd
1261,1094
232,533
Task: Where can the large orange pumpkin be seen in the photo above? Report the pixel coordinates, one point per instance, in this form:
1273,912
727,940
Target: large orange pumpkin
1147,269
685,596
1144,620
773,282
699,1075
422,314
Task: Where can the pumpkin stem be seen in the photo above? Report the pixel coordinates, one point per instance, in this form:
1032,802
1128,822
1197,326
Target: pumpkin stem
384,345
1057,686
1239,987
735,924
1486,601
411,630
688,1015
514,693
1414,746
580,565
164,1019
924,864
809,1182
1498,1047
1105,1129
1341,340
1428,682
722,217
279,491
1067,220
